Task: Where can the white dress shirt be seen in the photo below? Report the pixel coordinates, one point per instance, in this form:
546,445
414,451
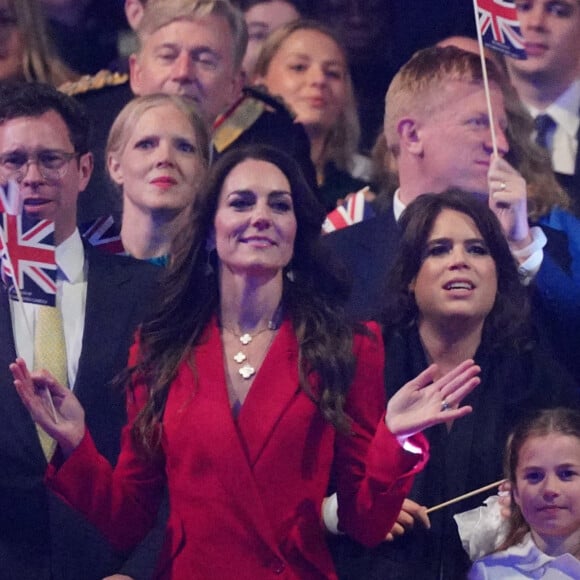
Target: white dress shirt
563,142
71,297
525,560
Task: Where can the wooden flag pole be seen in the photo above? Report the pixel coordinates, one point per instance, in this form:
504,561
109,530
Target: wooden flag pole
465,496
485,80
16,288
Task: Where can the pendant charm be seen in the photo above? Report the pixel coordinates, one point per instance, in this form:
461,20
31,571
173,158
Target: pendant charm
240,357
247,371
246,338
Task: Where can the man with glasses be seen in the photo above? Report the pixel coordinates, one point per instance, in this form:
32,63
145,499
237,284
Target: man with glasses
100,299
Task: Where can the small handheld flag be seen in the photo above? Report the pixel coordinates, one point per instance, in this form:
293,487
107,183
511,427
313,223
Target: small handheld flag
499,27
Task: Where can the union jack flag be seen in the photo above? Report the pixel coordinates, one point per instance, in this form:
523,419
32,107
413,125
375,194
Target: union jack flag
30,260
355,210
104,234
500,28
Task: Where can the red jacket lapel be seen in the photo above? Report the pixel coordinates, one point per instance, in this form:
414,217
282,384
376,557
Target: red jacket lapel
274,388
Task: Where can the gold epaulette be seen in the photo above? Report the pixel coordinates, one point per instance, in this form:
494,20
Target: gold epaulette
104,78
236,121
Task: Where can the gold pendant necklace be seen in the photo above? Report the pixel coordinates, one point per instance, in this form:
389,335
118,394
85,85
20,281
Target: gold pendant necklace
247,370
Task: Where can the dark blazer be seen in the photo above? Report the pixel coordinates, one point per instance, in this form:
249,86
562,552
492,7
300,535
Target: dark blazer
40,537
367,250
571,183
246,493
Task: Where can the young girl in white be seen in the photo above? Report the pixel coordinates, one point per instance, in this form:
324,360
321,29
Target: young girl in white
543,465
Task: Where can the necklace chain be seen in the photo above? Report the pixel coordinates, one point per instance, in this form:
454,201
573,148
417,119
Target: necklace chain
247,370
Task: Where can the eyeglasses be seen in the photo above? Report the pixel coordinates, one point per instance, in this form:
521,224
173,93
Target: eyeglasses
51,163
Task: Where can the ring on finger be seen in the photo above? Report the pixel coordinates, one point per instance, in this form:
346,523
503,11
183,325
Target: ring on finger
502,185
445,405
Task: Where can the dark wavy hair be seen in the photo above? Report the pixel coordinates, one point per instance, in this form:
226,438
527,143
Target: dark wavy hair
506,324
561,421
313,296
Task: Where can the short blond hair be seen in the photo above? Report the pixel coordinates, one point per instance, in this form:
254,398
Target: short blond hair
418,87
159,13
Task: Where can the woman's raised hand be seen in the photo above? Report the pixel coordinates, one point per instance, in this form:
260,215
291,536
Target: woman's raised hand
52,406
424,401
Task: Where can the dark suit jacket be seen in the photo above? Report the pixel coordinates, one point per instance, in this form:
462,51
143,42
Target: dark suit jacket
40,537
571,183
367,250
246,493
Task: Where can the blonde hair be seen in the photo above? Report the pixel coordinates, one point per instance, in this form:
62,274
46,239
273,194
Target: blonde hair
418,86
342,140
159,13
127,119
39,62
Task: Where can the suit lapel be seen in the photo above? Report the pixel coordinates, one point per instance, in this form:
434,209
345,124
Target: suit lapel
107,313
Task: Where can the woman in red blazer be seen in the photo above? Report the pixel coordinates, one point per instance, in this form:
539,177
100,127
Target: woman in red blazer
246,389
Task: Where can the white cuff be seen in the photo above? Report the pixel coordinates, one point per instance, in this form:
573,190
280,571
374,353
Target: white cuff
330,514
533,255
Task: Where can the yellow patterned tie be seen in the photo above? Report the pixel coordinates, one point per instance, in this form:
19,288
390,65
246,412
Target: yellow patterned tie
50,354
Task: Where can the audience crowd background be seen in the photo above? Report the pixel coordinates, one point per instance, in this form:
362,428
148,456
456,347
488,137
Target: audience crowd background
380,93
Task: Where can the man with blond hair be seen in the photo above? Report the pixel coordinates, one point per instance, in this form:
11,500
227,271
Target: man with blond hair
438,131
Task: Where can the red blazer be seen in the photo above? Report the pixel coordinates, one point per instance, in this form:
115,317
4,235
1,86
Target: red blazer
245,495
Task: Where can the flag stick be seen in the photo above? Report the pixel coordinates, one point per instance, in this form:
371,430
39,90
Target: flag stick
485,80
16,287
465,496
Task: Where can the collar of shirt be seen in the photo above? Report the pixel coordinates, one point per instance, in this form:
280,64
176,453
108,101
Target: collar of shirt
533,559
564,110
70,258
398,205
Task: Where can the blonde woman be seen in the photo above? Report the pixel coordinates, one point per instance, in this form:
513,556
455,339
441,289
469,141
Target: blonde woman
304,64
157,154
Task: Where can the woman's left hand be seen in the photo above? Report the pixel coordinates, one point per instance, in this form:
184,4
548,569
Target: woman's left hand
424,401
